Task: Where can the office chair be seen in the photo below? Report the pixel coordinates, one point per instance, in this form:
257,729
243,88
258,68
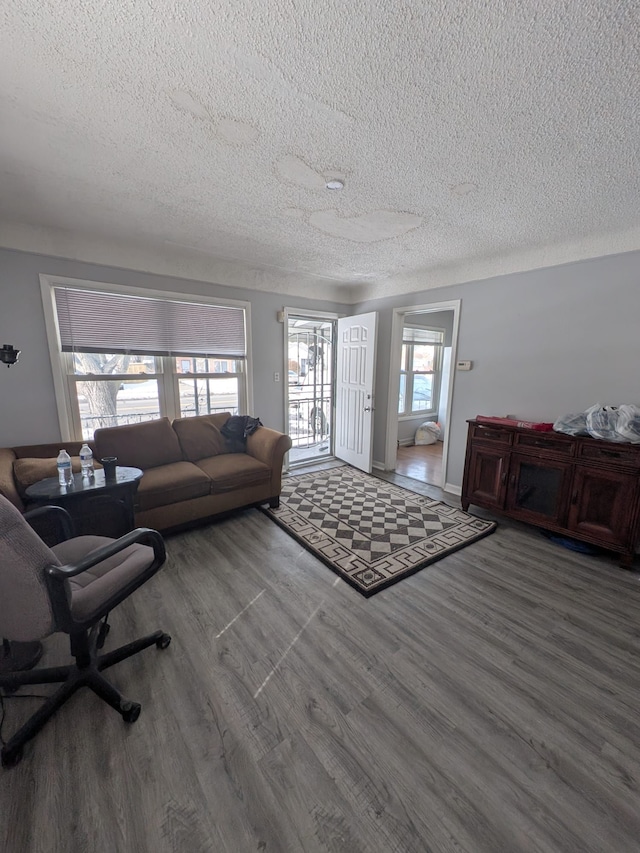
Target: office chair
70,587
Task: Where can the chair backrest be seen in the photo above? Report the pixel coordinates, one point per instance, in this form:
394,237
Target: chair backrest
25,608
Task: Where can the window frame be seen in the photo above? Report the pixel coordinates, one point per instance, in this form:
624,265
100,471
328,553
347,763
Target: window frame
65,378
436,373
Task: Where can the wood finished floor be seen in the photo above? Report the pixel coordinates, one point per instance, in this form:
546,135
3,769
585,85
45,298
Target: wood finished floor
487,703
421,462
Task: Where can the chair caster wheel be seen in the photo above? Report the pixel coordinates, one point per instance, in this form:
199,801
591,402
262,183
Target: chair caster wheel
130,711
11,757
163,642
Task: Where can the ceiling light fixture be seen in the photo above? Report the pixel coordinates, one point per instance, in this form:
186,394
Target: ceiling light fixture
335,184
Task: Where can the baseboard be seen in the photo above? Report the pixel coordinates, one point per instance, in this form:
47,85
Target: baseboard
454,490
379,466
405,442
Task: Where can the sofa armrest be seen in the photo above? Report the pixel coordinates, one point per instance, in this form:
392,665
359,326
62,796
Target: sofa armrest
268,446
7,481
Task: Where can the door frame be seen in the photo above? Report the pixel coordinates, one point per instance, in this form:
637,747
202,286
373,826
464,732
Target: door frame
399,314
318,315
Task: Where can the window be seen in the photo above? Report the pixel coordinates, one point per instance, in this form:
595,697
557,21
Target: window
420,371
125,356
115,393
209,386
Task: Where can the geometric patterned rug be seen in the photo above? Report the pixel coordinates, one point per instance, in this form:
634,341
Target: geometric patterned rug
370,532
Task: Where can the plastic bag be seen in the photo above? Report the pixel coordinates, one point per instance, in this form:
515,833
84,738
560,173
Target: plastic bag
428,433
602,422
575,424
628,424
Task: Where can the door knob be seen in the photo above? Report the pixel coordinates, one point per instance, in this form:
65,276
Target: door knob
367,409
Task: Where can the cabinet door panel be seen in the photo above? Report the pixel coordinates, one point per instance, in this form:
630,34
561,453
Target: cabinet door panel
538,489
488,476
603,505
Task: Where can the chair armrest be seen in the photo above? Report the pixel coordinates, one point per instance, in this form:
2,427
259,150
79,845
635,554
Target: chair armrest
268,446
140,536
52,520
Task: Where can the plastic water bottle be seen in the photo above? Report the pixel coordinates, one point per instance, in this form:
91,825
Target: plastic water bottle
86,461
65,475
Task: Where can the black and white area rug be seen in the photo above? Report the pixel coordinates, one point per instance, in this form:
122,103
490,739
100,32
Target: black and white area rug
368,531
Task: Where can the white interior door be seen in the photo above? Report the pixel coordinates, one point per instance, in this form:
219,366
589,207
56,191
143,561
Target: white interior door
355,375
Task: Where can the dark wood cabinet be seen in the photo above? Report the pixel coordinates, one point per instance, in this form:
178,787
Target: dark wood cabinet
538,489
488,482
600,504
578,486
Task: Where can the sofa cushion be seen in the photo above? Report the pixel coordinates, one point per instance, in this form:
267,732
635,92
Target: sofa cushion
168,484
200,437
27,471
229,471
145,445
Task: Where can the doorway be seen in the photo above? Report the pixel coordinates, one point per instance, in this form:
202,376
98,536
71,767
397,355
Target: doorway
423,356
309,363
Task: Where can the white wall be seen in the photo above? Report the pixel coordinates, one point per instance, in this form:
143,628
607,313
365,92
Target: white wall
435,319
543,343
29,414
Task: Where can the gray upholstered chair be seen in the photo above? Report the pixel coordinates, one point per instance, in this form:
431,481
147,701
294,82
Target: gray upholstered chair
70,587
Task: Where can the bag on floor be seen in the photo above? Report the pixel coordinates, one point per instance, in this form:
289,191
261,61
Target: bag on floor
428,433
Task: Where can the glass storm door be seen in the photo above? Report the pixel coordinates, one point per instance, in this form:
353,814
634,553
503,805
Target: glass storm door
310,357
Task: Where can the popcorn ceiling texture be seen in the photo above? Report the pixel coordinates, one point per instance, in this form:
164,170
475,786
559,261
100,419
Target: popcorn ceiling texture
473,138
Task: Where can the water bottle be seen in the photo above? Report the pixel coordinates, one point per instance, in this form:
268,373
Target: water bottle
86,461
65,475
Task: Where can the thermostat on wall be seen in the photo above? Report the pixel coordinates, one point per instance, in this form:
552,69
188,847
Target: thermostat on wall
464,365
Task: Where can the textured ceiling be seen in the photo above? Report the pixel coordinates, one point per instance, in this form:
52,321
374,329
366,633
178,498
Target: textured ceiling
464,131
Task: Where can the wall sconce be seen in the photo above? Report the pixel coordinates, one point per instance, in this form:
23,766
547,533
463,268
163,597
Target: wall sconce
8,354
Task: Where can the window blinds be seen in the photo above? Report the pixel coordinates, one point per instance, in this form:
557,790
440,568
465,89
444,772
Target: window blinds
91,321
415,335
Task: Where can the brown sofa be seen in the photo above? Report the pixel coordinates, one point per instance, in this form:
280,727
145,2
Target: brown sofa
189,473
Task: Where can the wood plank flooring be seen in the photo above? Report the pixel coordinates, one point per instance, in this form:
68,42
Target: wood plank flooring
421,462
487,703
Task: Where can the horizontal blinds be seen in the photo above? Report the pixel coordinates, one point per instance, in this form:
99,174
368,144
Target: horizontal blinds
91,321
413,335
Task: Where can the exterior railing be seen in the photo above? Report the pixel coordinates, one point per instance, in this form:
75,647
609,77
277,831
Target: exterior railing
309,420
90,423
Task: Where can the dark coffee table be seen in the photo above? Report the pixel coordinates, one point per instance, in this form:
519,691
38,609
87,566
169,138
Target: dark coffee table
97,506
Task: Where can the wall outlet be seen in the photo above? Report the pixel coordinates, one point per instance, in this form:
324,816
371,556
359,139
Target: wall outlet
276,377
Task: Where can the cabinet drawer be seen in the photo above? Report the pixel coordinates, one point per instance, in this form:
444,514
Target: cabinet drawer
544,442
623,454
495,435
